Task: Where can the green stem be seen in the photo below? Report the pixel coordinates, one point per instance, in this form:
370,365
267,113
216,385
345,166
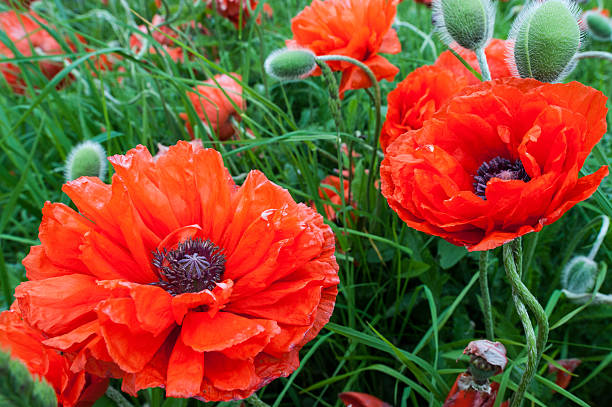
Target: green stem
594,54
486,298
334,99
484,66
256,401
377,103
523,299
117,397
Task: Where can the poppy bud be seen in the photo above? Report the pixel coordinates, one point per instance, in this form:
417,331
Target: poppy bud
544,39
19,388
486,359
579,275
469,23
86,159
598,25
290,63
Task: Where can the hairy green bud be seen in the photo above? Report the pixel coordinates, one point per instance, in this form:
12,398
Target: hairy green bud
469,23
18,388
86,159
579,275
598,25
544,40
290,63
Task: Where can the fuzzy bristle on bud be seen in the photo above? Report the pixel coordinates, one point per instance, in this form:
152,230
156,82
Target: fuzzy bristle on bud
544,39
579,275
86,159
597,25
290,63
468,23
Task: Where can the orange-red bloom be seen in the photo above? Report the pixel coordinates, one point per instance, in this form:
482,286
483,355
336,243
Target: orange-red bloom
426,89
470,397
214,108
26,344
175,277
329,192
354,399
563,379
30,39
230,9
498,161
359,29
167,45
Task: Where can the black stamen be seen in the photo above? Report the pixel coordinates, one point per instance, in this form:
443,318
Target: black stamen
194,265
498,168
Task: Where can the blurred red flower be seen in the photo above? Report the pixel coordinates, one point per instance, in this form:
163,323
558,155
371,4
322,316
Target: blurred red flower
214,108
354,399
470,397
498,161
359,29
563,379
426,89
26,344
230,9
496,58
175,277
167,45
30,39
329,192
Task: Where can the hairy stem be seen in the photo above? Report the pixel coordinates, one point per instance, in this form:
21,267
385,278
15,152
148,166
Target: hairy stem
255,401
484,66
117,397
594,54
486,298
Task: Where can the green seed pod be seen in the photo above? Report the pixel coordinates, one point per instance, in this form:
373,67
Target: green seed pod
579,275
598,25
43,395
290,64
86,159
20,379
544,39
469,23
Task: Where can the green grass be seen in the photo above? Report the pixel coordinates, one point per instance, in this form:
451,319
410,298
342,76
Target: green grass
408,302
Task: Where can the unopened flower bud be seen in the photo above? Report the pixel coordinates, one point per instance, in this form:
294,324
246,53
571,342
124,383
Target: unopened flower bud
469,23
486,359
598,25
86,159
579,275
544,39
290,63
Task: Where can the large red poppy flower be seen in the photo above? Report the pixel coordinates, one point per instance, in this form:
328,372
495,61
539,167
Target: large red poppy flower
470,397
426,89
29,38
166,44
498,161
175,277
215,105
355,399
25,344
359,29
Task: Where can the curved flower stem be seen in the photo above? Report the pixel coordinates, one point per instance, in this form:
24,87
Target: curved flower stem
377,103
255,401
334,99
594,54
513,258
117,397
486,298
484,66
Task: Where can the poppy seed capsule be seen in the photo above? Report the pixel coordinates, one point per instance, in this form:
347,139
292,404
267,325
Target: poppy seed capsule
544,39
579,275
86,159
469,23
598,25
290,64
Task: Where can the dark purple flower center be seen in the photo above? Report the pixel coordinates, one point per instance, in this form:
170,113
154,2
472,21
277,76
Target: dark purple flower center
194,265
498,168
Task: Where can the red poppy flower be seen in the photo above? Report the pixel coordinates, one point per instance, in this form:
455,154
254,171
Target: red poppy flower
168,46
230,9
469,397
498,161
563,379
213,106
26,344
329,192
175,277
496,59
359,29
29,38
354,399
